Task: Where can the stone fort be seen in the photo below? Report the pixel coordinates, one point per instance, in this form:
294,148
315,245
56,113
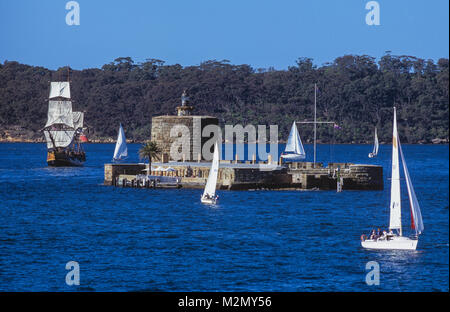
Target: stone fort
168,129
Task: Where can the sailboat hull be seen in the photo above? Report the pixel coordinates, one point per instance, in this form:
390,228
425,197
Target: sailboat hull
293,157
209,201
395,243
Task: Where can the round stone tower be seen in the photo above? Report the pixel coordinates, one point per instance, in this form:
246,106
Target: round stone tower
162,126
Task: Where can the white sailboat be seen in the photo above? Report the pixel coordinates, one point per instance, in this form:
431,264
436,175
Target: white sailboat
294,150
396,240
375,146
121,150
209,194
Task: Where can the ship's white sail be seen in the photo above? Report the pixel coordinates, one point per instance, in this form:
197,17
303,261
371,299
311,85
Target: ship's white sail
210,189
121,150
416,215
294,148
59,129
60,138
59,112
78,119
395,206
59,89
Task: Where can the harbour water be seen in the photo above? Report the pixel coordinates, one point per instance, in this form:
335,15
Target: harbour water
127,239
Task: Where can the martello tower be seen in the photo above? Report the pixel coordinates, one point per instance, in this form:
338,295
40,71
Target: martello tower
163,126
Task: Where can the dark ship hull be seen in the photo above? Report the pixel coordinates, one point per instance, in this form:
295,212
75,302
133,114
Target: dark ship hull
65,158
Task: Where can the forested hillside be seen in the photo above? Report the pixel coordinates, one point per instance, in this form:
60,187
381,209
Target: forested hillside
356,92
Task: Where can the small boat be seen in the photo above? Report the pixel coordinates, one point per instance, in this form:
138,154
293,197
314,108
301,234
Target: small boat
394,239
375,146
121,150
63,128
294,150
209,194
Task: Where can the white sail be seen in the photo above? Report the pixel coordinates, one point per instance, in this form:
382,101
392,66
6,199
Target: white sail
121,150
59,89
60,138
78,119
376,145
416,215
59,112
396,216
294,144
210,187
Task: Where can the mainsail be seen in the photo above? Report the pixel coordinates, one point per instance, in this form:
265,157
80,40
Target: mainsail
121,150
59,112
376,145
416,215
59,130
396,216
210,187
58,138
294,144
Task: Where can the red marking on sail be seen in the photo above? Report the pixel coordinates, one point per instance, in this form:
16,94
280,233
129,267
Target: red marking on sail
413,226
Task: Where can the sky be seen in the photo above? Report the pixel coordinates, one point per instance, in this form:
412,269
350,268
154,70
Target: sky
263,33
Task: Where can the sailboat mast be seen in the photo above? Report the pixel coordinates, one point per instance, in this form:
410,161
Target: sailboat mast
315,123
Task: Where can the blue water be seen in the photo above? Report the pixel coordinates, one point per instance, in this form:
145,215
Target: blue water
166,240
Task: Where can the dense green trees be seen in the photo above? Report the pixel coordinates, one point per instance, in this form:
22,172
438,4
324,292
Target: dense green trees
355,91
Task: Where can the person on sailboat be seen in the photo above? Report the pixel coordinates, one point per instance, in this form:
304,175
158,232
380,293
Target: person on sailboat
390,234
207,196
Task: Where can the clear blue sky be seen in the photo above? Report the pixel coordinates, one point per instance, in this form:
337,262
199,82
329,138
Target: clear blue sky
261,33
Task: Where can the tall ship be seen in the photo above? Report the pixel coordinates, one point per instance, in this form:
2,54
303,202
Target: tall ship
63,128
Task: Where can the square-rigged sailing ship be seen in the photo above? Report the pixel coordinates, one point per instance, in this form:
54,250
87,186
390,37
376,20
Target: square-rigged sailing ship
63,128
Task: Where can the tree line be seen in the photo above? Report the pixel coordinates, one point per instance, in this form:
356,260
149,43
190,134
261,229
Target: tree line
357,92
